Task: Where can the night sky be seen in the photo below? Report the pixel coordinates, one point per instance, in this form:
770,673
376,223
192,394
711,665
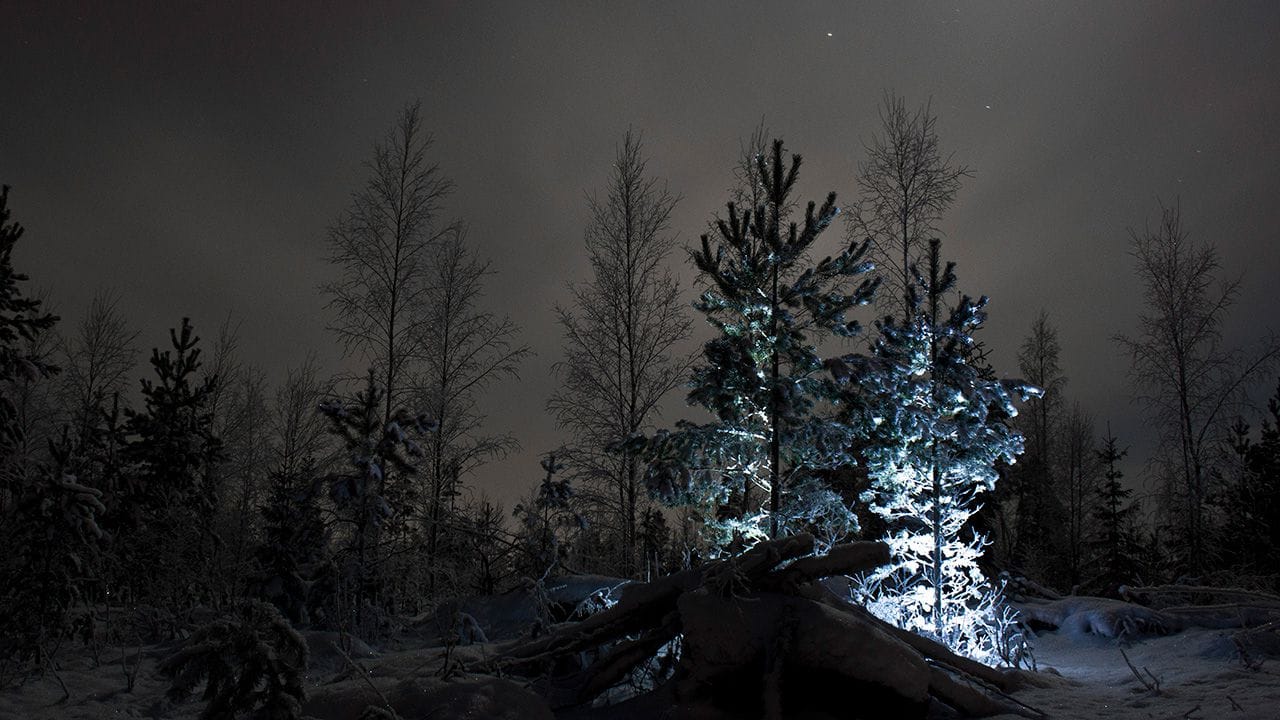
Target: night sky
192,158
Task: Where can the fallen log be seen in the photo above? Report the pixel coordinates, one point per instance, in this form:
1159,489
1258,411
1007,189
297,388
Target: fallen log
1005,680
725,636
760,627
644,605
850,559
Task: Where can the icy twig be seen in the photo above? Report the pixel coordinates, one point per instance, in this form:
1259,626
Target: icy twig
363,672
1152,685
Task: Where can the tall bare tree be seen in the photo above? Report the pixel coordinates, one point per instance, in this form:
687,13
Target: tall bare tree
382,245
1078,485
299,432
98,360
1035,485
621,337
464,350
1189,381
905,186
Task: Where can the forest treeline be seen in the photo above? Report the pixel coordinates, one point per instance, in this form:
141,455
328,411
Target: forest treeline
846,389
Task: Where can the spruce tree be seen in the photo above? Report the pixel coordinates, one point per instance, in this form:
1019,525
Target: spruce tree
167,500
1249,501
760,375
48,518
938,432
293,542
52,541
1264,496
22,321
365,502
1115,545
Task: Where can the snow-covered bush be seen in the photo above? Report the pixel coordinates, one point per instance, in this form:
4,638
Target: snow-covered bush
251,661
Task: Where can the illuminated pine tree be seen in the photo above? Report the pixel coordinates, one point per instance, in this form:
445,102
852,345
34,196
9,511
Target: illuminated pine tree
760,375
938,431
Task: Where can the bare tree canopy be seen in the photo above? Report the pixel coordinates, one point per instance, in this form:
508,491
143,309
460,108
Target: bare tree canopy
98,359
906,184
464,349
383,244
621,335
1188,379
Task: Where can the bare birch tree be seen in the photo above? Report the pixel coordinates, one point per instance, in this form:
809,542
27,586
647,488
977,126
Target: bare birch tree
905,184
465,349
1189,381
621,337
382,245
97,361
299,433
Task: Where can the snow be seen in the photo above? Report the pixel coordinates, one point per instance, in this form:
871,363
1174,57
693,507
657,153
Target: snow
1197,678
1082,675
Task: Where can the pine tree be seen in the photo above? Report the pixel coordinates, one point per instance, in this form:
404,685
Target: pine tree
544,516
293,542
1115,545
22,321
760,376
168,503
251,661
938,433
52,540
363,498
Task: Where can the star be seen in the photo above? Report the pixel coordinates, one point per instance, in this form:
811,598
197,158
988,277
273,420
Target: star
828,34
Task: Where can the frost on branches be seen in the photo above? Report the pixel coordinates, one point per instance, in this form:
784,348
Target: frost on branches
754,471
938,427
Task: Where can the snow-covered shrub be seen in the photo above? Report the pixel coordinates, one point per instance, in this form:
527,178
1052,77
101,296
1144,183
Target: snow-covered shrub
251,661
292,546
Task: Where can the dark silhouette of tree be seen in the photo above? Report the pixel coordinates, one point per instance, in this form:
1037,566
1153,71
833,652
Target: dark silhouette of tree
97,360
168,500
22,323
382,246
1115,544
48,519
1188,380
1248,498
1076,489
905,186
621,335
465,350
361,494
1038,513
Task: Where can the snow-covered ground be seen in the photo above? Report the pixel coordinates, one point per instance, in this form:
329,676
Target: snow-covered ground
1201,675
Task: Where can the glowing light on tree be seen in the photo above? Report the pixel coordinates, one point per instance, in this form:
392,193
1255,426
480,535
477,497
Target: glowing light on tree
937,431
